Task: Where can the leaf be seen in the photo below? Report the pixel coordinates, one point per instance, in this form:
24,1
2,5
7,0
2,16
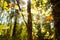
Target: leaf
16,6
49,18
10,5
5,3
4,27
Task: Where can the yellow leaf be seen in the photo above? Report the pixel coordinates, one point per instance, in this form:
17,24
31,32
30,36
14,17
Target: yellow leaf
5,4
4,27
16,6
10,5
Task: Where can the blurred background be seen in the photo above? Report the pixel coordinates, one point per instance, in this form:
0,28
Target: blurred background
27,20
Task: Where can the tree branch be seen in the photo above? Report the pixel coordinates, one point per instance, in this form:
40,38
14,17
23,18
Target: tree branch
21,10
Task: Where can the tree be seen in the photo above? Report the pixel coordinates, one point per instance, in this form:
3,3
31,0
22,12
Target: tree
56,14
29,25
15,22
16,17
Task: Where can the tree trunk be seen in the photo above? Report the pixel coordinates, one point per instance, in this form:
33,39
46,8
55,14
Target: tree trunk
56,14
15,26
16,14
14,29
29,25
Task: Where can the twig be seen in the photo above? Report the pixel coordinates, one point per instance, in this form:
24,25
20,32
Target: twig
20,10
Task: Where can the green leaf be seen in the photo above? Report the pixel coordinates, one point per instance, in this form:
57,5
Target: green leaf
3,27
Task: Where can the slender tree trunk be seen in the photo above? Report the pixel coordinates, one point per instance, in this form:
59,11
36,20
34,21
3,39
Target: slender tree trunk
56,14
29,25
15,26
14,29
15,22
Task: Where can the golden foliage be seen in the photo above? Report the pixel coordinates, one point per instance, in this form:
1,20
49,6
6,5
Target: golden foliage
10,5
16,6
49,18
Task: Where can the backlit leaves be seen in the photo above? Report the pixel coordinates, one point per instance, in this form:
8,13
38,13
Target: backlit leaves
49,18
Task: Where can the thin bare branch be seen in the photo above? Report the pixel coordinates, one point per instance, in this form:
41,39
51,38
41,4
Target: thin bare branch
21,10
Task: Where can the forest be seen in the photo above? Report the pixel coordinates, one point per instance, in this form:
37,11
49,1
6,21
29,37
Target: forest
29,19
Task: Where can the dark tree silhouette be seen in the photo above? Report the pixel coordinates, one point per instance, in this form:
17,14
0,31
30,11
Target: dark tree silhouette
15,22
56,14
29,25
16,15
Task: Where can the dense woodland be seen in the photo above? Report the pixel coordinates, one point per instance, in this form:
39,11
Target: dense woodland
29,19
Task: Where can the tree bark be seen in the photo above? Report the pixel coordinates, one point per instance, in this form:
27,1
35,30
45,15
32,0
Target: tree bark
29,25
15,22
56,14
15,26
